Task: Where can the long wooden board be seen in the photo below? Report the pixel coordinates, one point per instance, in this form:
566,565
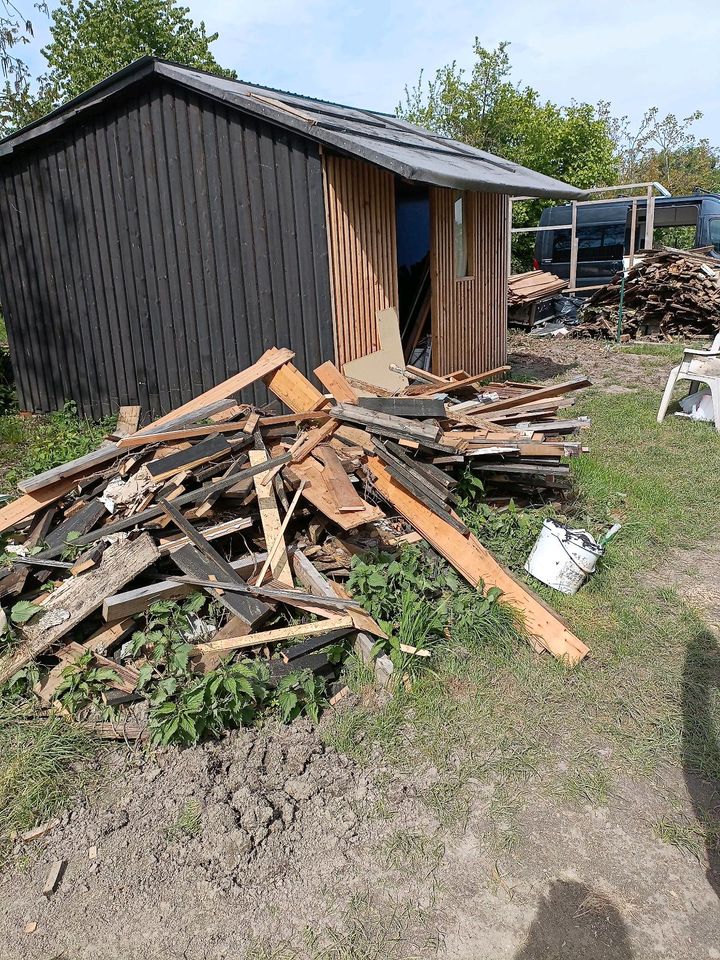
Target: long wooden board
78,597
269,361
477,565
270,520
275,636
318,491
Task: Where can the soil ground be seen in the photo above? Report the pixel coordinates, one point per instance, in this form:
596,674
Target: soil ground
270,845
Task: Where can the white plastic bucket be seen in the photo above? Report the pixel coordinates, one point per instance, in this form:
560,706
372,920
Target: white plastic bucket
563,558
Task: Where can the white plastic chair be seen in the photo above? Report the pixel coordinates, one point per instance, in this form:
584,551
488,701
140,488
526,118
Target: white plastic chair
698,366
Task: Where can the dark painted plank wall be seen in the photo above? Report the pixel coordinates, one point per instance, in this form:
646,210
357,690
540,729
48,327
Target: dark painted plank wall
158,248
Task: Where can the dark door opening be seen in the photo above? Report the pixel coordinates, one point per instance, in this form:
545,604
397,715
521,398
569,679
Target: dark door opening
412,213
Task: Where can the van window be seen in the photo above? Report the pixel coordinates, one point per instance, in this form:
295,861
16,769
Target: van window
715,233
595,242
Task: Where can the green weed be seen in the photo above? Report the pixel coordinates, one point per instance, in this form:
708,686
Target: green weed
41,768
188,822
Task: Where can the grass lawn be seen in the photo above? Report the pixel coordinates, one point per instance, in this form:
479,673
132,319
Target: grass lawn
492,710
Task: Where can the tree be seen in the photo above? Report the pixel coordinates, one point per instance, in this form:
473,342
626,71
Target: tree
664,149
485,109
93,38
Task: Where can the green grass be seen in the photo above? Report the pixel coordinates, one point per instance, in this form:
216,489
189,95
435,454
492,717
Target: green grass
187,823
32,444
496,712
41,769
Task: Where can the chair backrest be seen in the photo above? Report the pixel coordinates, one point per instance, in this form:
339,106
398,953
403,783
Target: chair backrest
715,348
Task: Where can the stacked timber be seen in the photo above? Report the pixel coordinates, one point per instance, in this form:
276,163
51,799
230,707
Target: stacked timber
668,293
525,288
262,511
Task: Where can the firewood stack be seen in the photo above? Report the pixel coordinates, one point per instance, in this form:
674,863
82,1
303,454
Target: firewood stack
668,294
263,510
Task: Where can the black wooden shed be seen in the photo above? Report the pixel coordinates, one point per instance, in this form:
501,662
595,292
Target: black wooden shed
162,230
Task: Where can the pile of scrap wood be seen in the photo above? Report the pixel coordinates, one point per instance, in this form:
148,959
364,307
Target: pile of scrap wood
668,293
263,510
524,288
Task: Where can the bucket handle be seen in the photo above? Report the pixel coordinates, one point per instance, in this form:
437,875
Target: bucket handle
580,567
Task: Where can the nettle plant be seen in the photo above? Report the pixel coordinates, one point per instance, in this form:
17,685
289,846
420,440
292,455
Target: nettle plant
83,684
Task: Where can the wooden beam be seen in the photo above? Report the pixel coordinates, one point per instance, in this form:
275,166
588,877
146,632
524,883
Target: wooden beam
78,597
188,433
478,566
214,448
275,636
335,383
270,520
453,385
271,360
532,396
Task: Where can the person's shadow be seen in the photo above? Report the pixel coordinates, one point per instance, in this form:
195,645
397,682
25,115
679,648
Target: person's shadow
701,742
574,922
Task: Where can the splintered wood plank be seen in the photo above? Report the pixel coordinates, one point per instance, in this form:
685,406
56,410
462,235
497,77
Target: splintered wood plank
338,481
318,491
78,597
168,436
270,520
194,564
128,421
533,397
405,406
203,452
315,437
478,566
295,390
47,482
275,636
335,383
451,387
269,361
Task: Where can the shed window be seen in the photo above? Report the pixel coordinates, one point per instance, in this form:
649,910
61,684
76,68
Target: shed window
462,257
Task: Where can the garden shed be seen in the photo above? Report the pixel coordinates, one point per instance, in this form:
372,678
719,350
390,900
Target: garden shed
160,231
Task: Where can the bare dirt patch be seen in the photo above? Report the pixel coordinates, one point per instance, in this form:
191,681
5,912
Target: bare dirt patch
607,366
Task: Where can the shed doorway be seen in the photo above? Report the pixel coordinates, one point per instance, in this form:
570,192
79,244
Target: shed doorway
412,216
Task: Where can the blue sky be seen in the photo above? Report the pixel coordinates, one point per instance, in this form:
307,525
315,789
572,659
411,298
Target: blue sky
635,54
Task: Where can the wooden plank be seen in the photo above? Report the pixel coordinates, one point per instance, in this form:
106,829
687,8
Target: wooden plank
88,463
278,541
128,421
317,491
270,520
211,449
78,597
318,584
315,437
346,497
130,602
188,433
405,406
533,396
314,644
203,567
80,522
385,425
478,566
295,390
335,383
269,361
452,386
168,544
275,636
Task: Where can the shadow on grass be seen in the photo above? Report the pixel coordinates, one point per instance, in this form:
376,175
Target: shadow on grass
572,922
701,742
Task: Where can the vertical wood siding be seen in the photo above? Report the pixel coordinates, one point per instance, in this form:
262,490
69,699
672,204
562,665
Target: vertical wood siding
362,240
469,315
157,248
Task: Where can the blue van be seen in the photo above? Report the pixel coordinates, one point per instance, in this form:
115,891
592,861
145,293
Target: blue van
603,232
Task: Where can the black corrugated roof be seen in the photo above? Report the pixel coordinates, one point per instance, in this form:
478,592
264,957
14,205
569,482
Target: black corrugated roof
399,146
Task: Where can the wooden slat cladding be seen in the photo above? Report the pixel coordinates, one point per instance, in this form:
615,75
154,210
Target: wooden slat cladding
362,241
469,315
